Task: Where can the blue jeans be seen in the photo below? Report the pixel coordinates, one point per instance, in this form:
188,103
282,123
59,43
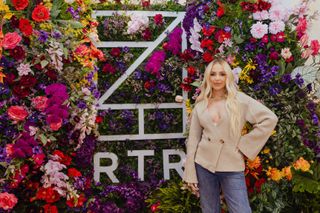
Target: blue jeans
233,186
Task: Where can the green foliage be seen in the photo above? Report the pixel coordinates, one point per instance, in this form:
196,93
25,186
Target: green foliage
174,197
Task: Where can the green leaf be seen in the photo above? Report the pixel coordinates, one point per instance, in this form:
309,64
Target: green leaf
238,39
44,63
308,73
196,83
72,23
43,139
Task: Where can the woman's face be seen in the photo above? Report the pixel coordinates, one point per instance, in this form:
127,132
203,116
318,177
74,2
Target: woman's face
218,77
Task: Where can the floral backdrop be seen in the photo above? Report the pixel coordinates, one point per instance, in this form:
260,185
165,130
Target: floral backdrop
49,71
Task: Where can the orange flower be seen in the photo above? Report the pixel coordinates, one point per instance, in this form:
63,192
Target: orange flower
40,13
287,172
274,174
302,164
255,163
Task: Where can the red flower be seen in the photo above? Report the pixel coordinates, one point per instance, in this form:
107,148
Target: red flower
207,31
17,113
20,4
207,43
17,53
73,172
40,103
115,52
281,37
146,34
50,208
191,70
28,81
145,3
185,87
76,203
158,19
51,74
187,55
154,207
207,57
315,47
108,68
149,85
273,38
11,40
99,119
221,35
265,39
21,91
47,194
288,60
7,201
64,159
38,159
274,55
258,184
220,12
40,13
25,27
264,5
55,122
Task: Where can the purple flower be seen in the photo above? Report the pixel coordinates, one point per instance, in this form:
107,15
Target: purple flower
275,89
81,104
56,34
227,29
299,81
5,62
187,23
315,119
174,43
43,36
154,64
24,145
74,13
286,78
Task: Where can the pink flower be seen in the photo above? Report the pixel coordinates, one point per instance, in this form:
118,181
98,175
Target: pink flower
40,103
9,150
11,40
281,37
258,30
278,13
261,15
306,53
302,25
54,122
24,69
315,46
38,159
276,27
17,113
304,40
7,201
285,53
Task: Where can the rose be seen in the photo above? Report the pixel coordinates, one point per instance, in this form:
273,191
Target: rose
25,27
11,40
158,19
115,52
40,102
54,122
28,81
73,172
17,113
21,91
17,53
20,4
40,13
7,201
50,208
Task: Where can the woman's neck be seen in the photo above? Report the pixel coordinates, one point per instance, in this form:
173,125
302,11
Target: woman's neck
218,94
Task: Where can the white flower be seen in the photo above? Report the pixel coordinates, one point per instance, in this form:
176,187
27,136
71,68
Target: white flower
179,99
276,27
285,53
278,13
53,166
93,36
258,30
196,26
69,1
24,69
261,15
236,71
55,51
137,23
194,40
228,42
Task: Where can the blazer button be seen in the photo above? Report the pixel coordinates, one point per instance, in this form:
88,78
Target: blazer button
221,141
209,139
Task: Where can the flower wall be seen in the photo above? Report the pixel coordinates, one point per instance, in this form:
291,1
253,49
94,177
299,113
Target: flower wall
50,123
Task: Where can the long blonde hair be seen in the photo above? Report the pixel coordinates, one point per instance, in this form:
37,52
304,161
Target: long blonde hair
232,89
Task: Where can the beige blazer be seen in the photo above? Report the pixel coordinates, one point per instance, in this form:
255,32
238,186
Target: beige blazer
213,147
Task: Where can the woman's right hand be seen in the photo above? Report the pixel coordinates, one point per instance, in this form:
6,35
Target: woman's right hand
194,188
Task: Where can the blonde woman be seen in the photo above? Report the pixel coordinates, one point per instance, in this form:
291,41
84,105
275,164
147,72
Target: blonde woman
215,147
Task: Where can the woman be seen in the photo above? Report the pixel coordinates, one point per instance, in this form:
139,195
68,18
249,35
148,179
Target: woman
215,147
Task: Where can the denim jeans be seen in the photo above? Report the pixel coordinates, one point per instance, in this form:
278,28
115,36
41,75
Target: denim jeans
233,186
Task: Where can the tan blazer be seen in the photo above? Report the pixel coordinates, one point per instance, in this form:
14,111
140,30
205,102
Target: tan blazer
213,147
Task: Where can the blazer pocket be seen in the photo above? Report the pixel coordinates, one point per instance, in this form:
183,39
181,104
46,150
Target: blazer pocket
208,152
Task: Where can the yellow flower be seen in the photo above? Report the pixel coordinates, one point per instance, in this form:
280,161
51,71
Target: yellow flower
302,164
273,132
266,150
274,174
5,11
244,73
188,107
255,163
46,26
287,172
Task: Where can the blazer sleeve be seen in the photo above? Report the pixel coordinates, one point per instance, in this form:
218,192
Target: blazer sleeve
193,140
263,121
